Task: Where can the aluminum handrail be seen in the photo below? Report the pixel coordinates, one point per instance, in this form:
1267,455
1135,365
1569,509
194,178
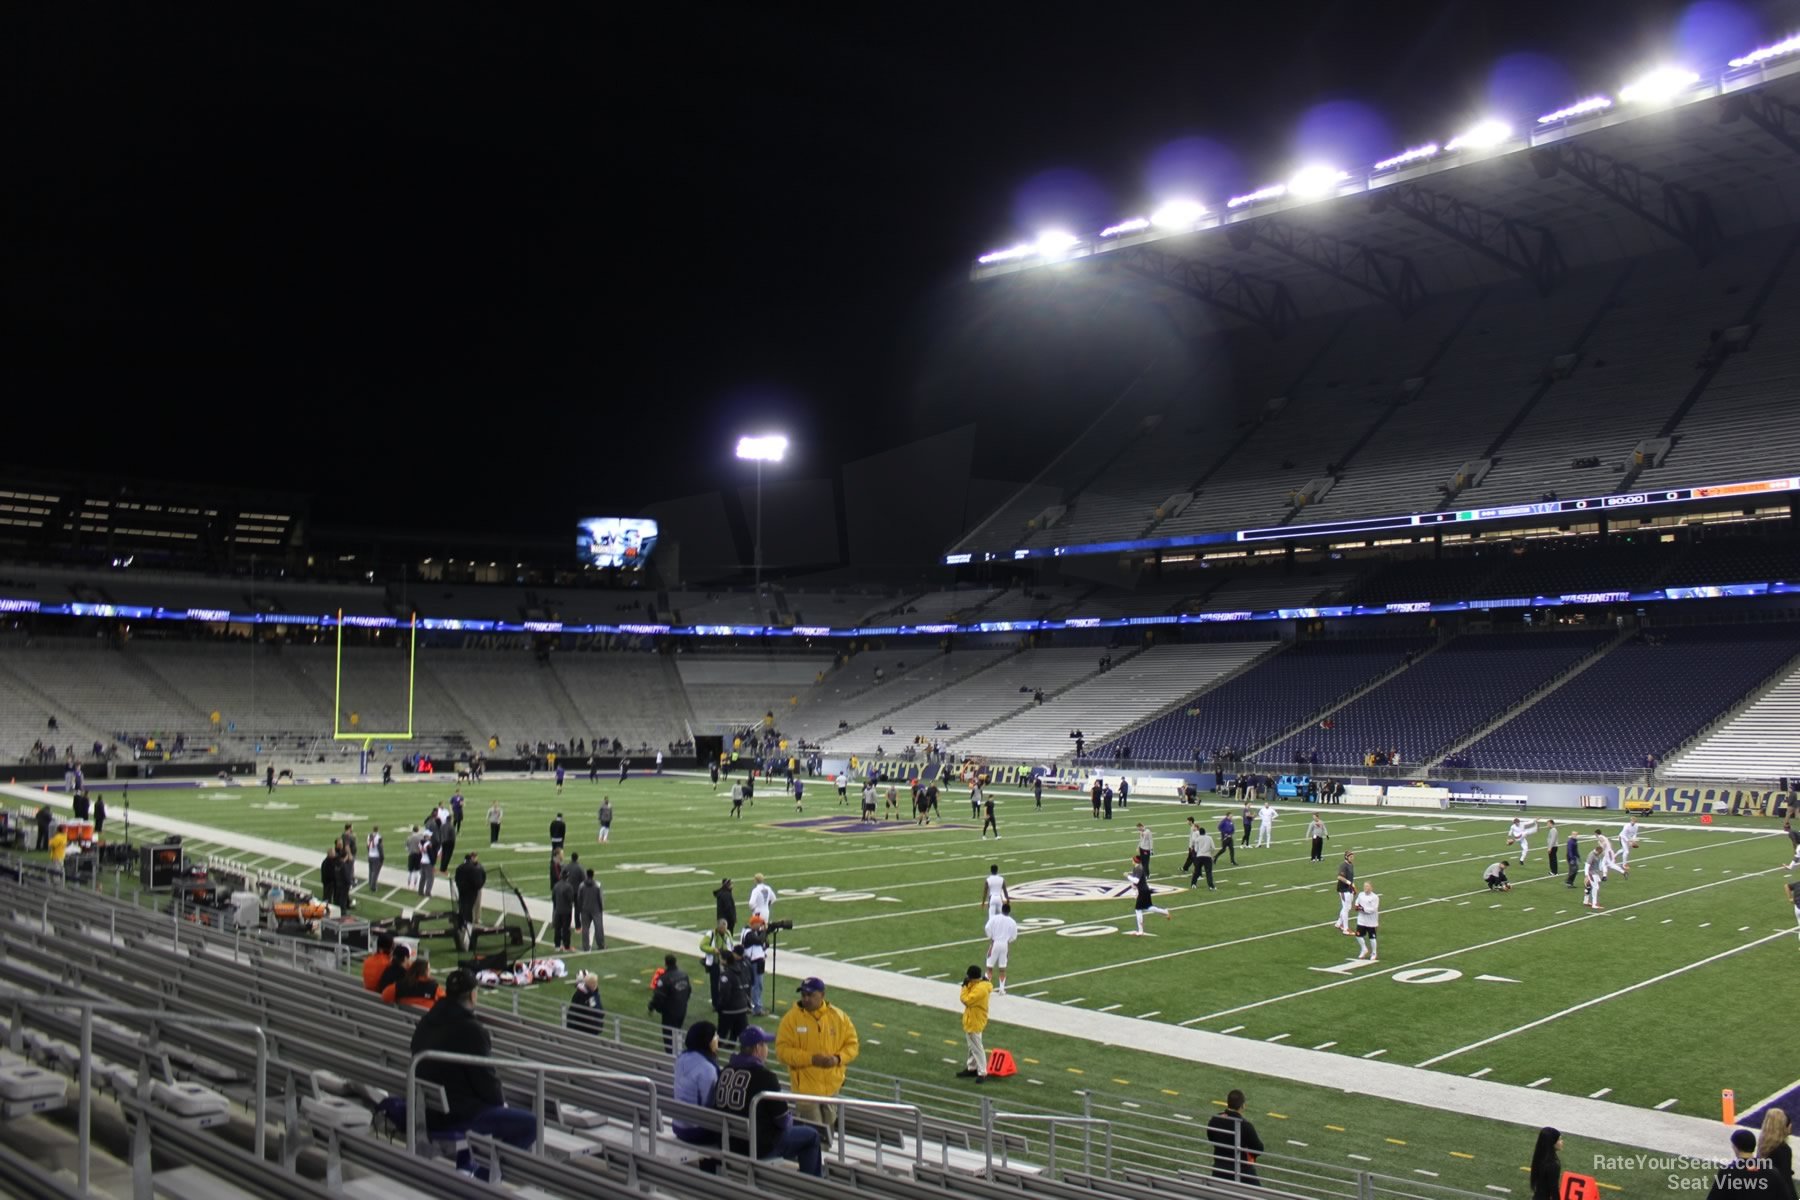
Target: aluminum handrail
989,1116
85,1072
842,1103
540,1071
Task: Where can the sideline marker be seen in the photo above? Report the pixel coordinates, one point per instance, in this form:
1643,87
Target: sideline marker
1728,1100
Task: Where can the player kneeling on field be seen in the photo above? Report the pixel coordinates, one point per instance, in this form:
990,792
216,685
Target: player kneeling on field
1495,877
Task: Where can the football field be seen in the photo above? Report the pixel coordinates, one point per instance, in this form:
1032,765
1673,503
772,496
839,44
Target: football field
1657,1002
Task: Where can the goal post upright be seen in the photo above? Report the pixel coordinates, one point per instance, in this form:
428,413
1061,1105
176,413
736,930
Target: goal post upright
412,666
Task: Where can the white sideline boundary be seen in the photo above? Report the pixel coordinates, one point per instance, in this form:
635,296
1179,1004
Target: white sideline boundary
1648,1129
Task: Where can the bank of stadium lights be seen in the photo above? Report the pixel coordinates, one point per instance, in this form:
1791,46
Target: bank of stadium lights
1129,225
1483,135
1416,154
1659,85
1050,244
1178,214
1580,108
1762,55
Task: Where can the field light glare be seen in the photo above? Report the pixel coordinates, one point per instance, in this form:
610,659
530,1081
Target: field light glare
1314,181
1483,135
1055,241
1578,109
1765,53
1664,83
1129,225
767,447
1178,214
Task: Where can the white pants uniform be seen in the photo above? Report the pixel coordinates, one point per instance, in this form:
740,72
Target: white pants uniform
1797,914
1265,833
1608,863
1345,900
996,959
1524,846
1624,854
1593,885
994,903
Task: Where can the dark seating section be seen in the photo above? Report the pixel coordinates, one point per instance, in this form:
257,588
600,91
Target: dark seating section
1448,695
1584,566
1735,560
1266,701
1645,697
1435,579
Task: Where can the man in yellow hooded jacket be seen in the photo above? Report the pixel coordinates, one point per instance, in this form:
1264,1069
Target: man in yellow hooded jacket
816,1041
975,993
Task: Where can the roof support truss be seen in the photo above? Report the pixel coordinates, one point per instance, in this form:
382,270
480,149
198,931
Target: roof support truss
1780,121
1264,302
1529,250
1385,275
1679,211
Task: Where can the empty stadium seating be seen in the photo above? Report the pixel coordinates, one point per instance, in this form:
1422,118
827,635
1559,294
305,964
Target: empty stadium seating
974,701
1135,688
1265,702
1447,694
1762,741
1642,698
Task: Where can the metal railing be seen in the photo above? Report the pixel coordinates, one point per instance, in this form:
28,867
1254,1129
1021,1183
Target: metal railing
840,1104
540,1072
1052,1120
85,1070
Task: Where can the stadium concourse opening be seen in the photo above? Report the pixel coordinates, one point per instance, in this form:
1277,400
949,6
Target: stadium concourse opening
1371,555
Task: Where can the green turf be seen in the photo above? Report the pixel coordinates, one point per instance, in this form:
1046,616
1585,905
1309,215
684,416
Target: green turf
1245,959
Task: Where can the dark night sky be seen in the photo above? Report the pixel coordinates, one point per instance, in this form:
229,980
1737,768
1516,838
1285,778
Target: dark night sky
481,267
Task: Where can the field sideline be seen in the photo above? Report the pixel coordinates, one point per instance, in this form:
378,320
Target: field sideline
1524,988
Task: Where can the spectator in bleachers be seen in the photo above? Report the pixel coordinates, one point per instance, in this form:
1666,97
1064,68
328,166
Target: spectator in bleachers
377,962
696,1076
393,972
747,1076
476,1102
586,1013
1235,1143
415,988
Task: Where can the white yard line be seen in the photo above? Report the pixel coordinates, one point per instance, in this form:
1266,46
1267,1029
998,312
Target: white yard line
1585,1004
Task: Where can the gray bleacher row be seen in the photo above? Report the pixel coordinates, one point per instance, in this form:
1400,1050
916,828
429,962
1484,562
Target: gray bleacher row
333,1049
1400,404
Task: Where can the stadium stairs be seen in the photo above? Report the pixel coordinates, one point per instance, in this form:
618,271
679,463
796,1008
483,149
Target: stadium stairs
1757,739
1177,705
1514,710
860,727
1343,702
334,1051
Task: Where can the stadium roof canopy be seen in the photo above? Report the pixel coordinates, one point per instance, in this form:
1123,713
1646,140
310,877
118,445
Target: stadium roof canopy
1720,158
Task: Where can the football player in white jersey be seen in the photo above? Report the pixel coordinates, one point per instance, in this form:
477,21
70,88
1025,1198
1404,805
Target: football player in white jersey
1520,831
993,891
1368,918
1628,840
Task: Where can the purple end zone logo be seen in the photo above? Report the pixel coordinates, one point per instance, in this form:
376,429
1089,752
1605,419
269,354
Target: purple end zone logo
843,823
1082,887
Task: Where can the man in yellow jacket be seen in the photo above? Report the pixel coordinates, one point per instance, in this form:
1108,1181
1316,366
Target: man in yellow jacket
816,1041
975,993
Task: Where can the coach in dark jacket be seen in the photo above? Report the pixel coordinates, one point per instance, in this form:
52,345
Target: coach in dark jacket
473,1091
669,1000
471,877
1235,1144
726,905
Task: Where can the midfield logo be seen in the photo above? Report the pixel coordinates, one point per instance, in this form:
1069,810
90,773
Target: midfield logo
1081,887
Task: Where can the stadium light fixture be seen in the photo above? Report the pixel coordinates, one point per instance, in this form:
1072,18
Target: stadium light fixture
1314,181
1129,225
759,449
1019,251
1178,214
1416,154
1580,108
1483,135
1659,86
1763,54
1053,242
765,447
1272,192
